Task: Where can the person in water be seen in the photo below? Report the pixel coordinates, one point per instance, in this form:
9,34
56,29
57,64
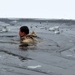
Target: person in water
26,39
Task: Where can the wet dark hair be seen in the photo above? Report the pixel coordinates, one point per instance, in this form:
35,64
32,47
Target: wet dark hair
24,29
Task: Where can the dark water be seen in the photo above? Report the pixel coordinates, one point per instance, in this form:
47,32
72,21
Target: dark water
54,53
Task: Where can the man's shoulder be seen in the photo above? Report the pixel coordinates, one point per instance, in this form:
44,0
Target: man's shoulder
33,34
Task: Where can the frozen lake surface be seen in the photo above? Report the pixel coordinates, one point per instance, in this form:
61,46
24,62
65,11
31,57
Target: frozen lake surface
53,55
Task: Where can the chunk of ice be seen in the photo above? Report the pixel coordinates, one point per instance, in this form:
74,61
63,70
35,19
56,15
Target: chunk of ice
33,67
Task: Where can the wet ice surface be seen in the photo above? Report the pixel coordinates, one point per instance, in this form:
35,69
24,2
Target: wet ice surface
53,55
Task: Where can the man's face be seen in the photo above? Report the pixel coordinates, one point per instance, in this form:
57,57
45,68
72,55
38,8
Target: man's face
21,34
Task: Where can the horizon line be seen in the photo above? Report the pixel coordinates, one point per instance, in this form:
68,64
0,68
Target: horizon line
38,18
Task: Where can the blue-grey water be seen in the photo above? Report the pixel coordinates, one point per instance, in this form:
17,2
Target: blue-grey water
54,53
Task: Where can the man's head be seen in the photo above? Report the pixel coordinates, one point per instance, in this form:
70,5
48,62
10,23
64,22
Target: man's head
24,30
